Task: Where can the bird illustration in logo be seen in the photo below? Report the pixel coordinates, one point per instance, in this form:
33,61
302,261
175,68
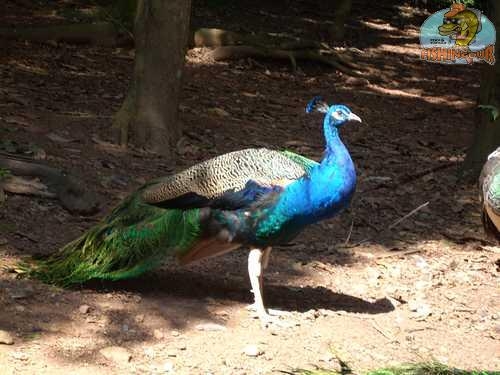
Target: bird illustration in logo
461,24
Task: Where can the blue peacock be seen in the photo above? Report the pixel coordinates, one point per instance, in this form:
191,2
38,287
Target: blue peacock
254,197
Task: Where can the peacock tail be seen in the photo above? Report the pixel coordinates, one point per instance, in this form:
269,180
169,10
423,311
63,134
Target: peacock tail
133,239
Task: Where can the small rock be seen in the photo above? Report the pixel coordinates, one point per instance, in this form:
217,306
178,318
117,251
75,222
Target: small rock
421,263
158,334
116,354
139,318
57,138
149,352
168,367
20,308
210,327
84,309
175,333
6,338
423,311
252,351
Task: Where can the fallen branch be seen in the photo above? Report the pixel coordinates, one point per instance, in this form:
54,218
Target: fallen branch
70,192
19,185
238,52
219,37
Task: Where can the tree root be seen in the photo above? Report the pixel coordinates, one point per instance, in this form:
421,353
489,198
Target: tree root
229,45
238,52
53,184
19,185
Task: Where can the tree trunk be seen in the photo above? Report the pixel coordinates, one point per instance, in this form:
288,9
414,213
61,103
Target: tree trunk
148,116
342,12
487,132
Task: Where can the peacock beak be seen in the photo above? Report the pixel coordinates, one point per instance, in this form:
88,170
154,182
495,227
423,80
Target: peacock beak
354,117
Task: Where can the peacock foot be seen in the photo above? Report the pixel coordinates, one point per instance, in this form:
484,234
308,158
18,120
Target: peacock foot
270,317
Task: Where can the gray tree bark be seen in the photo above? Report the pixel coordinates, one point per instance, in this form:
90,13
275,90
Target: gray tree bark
148,117
487,132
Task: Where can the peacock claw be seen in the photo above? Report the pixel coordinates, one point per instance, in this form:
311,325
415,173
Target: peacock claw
271,312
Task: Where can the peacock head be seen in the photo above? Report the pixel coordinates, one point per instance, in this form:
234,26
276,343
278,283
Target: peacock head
335,115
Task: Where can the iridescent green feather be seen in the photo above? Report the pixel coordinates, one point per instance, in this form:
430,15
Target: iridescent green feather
304,162
133,239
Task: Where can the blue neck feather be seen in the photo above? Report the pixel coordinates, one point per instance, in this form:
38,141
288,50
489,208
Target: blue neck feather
326,191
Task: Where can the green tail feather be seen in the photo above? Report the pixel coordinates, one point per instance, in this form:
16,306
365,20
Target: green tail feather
133,239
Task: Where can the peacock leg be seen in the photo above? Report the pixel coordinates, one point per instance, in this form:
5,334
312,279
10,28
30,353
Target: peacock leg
257,262
265,262
255,274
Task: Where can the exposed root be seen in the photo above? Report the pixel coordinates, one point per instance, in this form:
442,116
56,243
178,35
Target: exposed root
52,184
238,52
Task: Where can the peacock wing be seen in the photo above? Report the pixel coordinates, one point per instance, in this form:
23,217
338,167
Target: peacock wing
228,181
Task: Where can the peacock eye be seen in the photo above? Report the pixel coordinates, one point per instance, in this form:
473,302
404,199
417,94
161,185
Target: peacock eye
338,113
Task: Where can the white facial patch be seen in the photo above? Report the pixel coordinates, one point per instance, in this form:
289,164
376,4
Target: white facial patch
337,115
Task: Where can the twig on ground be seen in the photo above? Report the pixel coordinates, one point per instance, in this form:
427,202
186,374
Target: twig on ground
394,224
381,331
27,236
346,242
412,177
398,253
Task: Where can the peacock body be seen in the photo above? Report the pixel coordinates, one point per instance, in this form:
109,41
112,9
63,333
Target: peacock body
489,183
253,197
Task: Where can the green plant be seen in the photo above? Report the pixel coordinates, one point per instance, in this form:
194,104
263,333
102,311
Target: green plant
431,368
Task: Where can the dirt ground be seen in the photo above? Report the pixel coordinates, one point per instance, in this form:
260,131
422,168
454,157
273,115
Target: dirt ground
427,289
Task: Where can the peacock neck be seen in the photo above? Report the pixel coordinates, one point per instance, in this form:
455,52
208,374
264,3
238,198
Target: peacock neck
324,192
336,154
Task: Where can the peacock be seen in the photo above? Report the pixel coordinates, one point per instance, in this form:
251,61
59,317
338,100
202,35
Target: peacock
255,197
489,184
